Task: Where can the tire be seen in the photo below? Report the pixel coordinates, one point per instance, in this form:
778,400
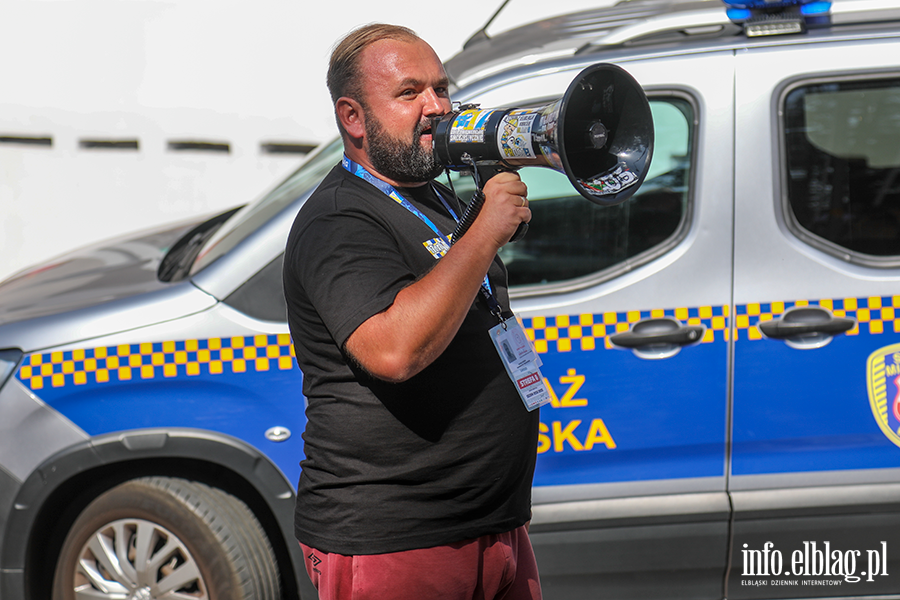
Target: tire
160,537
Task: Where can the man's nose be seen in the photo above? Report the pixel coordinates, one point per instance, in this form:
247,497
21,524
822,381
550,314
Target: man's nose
433,103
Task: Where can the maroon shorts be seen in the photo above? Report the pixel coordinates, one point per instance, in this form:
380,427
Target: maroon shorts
490,567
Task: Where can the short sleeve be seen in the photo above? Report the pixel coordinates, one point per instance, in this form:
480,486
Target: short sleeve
350,267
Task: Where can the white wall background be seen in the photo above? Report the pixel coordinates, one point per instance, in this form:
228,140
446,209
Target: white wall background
224,71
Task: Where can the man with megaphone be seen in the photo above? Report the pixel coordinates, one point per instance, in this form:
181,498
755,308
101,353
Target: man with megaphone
420,384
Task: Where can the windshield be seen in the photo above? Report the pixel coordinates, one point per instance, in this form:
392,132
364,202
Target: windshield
254,215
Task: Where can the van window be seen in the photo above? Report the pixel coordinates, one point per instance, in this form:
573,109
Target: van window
262,296
571,237
843,166
252,216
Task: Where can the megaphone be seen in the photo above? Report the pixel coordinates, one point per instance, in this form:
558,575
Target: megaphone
600,134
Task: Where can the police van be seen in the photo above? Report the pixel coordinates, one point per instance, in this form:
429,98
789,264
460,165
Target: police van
722,350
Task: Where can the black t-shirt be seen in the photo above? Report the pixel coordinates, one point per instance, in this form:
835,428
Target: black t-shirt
445,456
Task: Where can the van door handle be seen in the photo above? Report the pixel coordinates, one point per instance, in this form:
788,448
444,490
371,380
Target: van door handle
805,320
658,338
806,327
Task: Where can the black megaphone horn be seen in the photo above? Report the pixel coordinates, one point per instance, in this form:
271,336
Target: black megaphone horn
600,134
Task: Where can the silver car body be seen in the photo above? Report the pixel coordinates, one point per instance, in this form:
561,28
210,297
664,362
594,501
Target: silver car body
657,473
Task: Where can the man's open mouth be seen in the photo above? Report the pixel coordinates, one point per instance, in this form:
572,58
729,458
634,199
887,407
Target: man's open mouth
423,129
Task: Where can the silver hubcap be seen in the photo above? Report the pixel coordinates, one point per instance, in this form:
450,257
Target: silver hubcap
133,559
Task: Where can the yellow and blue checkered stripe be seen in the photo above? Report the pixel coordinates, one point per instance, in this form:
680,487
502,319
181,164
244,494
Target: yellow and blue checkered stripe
565,333
126,362
874,315
562,333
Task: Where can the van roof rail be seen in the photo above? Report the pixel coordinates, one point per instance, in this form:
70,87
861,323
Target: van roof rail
629,22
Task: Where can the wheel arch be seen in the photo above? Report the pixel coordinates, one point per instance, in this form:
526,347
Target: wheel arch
59,489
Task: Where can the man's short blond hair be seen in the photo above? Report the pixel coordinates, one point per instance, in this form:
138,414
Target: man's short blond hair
344,78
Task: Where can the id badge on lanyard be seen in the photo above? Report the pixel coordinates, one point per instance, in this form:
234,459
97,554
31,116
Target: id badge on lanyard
515,349
523,365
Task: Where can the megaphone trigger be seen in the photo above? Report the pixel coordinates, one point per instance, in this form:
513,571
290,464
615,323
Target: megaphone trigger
600,134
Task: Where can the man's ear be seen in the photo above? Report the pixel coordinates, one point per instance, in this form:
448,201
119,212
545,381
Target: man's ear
351,116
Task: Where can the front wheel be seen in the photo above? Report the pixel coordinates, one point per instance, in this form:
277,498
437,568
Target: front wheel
165,538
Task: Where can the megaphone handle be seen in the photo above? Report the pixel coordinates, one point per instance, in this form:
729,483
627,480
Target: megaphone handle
471,213
481,173
485,172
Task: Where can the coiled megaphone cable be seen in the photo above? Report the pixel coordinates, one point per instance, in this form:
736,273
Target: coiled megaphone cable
475,205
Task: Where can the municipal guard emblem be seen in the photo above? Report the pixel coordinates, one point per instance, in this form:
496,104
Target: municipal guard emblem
883,380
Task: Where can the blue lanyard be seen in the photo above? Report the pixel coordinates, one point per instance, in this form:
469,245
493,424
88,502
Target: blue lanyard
388,190
361,172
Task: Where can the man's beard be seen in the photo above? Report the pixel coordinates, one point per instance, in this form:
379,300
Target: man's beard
398,160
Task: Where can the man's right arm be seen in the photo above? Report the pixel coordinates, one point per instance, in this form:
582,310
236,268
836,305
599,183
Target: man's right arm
402,340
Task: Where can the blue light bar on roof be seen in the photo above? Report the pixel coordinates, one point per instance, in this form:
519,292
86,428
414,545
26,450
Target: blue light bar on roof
775,17
738,14
770,4
815,8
